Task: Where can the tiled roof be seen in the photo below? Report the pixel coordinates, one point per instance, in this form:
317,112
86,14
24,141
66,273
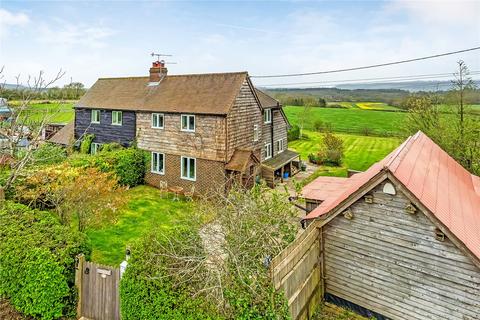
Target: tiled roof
212,93
280,159
441,184
64,136
239,160
265,100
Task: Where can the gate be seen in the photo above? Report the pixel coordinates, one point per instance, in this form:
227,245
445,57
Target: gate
98,290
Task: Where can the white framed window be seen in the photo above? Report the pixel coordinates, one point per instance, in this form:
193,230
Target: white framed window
94,147
95,117
188,168
117,118
187,123
157,120
267,116
280,144
256,134
158,163
267,151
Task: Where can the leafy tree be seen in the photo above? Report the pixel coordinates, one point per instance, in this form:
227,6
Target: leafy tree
331,151
86,196
293,133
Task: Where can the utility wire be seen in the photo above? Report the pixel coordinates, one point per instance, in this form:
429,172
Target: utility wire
376,80
365,67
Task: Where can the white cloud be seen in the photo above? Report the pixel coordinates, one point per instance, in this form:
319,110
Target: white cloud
68,35
9,19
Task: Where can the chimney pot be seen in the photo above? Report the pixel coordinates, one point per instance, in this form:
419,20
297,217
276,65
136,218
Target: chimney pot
158,71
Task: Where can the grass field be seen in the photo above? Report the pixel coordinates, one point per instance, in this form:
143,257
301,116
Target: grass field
360,151
55,112
350,120
377,106
146,209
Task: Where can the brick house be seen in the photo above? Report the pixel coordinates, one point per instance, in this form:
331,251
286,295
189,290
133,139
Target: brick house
202,130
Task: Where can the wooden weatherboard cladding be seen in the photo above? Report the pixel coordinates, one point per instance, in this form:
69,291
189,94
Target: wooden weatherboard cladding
245,113
207,142
105,131
390,262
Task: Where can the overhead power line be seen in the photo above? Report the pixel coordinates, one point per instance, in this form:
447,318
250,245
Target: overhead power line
366,67
377,79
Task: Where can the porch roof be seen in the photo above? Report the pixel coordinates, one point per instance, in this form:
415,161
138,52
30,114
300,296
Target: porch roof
280,159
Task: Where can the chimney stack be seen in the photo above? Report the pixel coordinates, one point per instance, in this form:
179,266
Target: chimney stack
158,71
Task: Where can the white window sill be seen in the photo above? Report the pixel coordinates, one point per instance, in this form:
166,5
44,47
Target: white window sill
158,172
117,124
185,130
94,122
158,128
189,179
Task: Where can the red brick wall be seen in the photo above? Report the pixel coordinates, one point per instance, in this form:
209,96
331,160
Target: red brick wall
210,175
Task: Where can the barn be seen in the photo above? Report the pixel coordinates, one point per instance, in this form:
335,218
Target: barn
398,241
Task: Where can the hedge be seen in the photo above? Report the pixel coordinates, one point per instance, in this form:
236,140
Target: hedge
127,163
37,262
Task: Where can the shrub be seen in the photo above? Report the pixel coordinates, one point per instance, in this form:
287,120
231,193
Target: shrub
149,291
49,153
318,125
37,261
331,152
366,131
313,158
293,133
86,143
128,164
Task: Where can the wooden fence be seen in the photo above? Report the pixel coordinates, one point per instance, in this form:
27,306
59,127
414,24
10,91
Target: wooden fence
98,290
297,271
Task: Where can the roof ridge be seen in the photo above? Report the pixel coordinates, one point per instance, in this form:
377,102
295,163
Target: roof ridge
397,152
177,75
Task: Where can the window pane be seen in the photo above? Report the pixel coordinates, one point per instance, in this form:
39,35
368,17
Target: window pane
184,122
192,168
154,161
160,162
160,120
191,123
184,167
154,120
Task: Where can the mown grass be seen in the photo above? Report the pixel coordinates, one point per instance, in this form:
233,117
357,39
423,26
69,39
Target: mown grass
360,151
53,112
146,209
352,120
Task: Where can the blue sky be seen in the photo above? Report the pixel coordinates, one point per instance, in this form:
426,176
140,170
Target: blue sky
114,38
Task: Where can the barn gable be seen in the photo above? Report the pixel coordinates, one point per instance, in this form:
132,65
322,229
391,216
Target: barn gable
383,258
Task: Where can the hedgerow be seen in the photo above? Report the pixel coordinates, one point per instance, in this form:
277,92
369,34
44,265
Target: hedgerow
37,261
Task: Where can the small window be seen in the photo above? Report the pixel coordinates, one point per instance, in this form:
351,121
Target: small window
158,163
95,117
267,151
280,145
157,120
188,168
94,147
267,116
188,123
256,134
117,118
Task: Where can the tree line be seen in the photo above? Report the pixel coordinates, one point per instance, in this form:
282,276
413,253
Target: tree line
71,91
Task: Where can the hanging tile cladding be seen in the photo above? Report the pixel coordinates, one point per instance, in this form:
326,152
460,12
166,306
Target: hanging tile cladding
279,128
245,113
210,175
207,142
104,131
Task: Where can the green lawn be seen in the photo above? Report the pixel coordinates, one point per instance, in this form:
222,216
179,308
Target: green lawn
360,151
350,120
146,209
55,112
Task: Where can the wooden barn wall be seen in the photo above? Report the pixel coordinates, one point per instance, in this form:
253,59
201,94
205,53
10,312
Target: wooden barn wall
279,129
245,113
297,272
104,131
389,261
207,142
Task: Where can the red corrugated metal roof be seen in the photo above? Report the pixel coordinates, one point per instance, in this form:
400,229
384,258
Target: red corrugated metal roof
441,184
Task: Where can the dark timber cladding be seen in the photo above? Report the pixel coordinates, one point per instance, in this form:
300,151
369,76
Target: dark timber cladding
104,131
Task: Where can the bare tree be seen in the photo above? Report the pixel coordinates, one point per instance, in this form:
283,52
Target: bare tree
24,130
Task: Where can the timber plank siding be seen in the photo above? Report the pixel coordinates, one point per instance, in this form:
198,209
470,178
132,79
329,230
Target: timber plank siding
104,131
390,262
245,113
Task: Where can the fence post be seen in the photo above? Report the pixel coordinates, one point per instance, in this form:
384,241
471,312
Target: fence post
79,281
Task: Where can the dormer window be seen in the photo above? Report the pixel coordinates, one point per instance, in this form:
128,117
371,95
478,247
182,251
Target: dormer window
267,116
188,123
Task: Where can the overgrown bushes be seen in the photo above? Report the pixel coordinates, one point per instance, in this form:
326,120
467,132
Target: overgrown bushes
293,133
127,163
330,153
37,261
214,271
